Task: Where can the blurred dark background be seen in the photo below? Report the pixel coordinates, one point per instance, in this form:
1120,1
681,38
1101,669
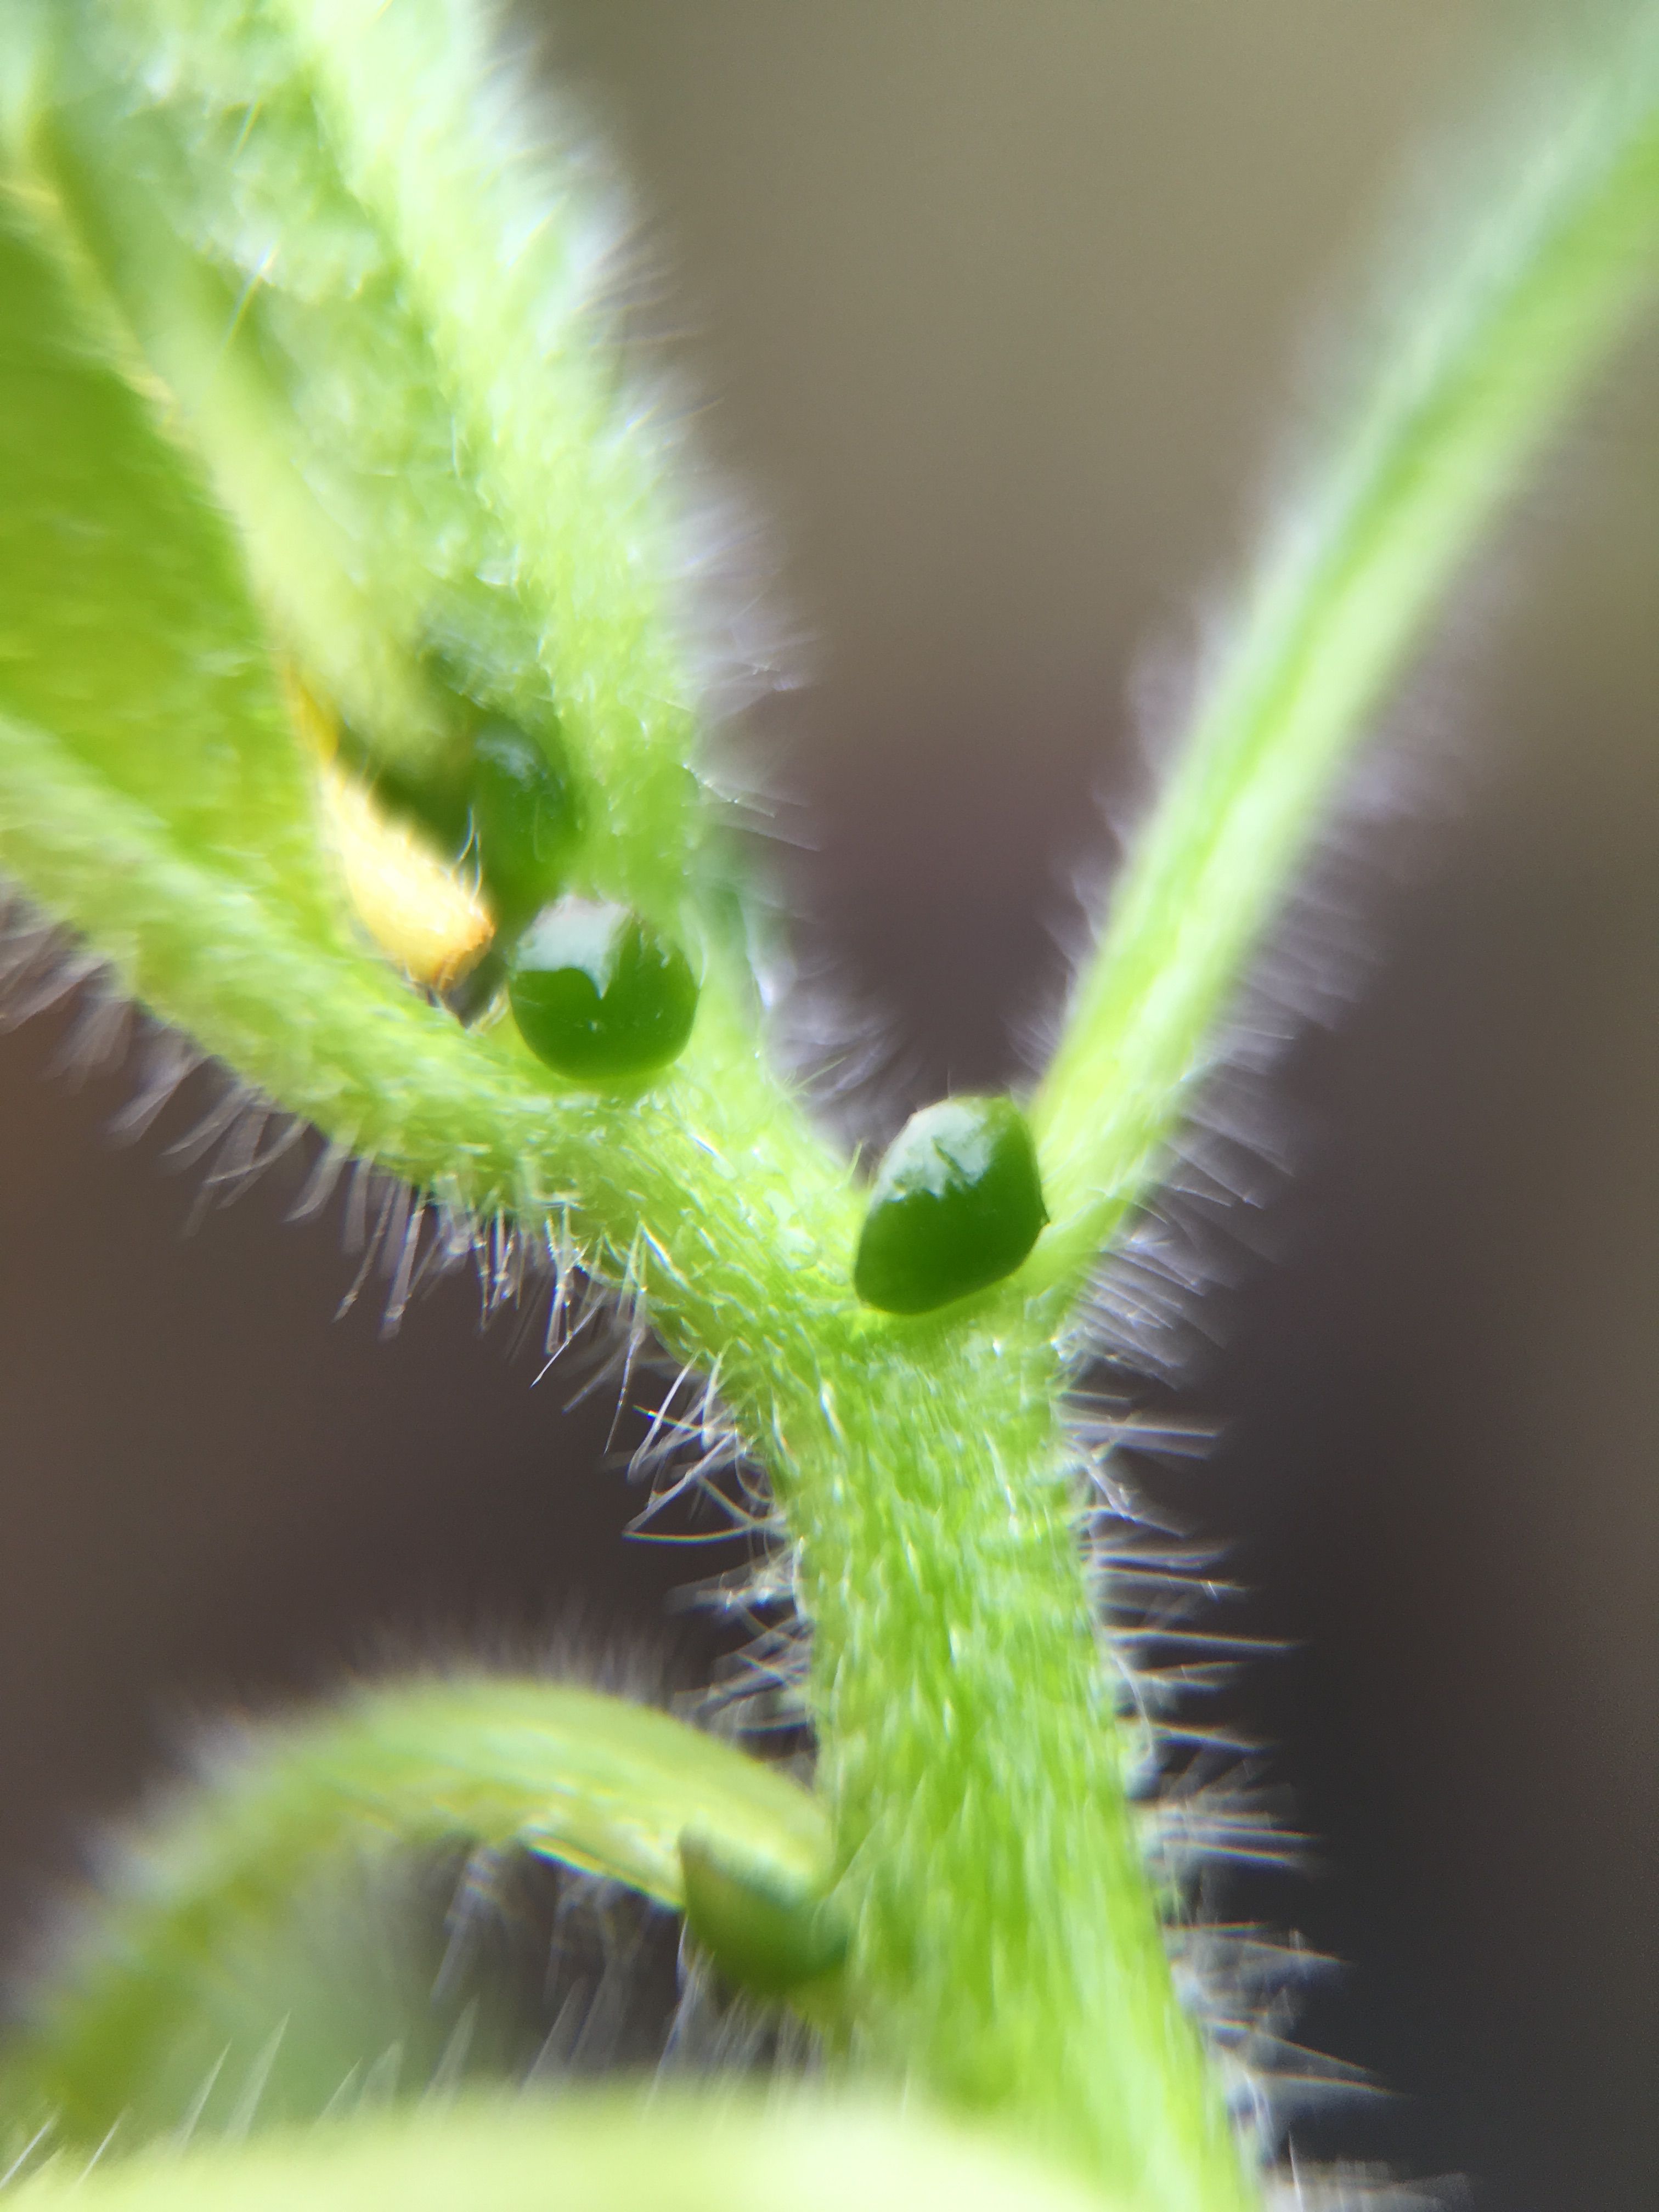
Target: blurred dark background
1004,312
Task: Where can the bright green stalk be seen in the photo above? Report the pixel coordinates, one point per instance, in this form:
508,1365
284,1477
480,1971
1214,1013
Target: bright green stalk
1471,382
978,1779
609,2152
595,1781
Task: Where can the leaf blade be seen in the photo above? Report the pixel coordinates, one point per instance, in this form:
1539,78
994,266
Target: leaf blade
596,1782
591,2153
1481,370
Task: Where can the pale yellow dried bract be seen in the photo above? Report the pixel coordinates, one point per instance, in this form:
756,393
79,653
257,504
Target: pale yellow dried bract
420,914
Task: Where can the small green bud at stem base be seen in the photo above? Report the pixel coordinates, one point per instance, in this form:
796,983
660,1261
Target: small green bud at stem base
600,995
958,1204
761,1935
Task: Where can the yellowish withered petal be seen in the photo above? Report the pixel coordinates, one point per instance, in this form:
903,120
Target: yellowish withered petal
419,913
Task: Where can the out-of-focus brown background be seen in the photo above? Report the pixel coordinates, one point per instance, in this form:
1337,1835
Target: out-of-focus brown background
1002,310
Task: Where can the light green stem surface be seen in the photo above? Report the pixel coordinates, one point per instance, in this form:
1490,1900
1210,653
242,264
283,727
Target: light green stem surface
968,1743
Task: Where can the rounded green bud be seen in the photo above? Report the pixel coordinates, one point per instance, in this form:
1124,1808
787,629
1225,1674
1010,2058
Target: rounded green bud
764,1933
599,994
526,820
958,1203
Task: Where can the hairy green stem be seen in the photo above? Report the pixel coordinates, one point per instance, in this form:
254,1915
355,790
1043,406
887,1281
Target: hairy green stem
1007,1946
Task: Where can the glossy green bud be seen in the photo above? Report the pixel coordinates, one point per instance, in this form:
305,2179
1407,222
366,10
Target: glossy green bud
525,820
763,1935
599,994
958,1203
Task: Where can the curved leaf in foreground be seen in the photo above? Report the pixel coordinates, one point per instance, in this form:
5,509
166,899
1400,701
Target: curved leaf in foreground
607,2153
596,1782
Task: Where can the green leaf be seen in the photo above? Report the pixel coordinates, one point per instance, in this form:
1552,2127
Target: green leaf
154,795
589,2153
374,304
125,629
591,1781
1479,369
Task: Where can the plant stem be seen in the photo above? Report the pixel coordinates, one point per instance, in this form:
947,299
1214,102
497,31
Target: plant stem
1008,1953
